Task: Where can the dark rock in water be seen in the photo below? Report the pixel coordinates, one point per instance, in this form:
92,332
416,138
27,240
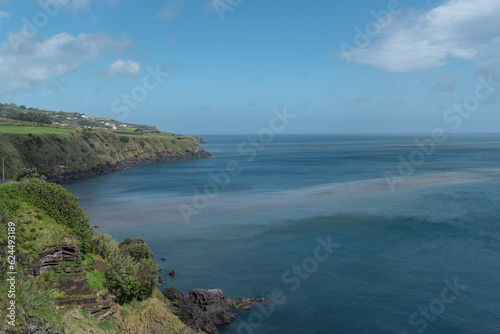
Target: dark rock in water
205,309
172,273
163,259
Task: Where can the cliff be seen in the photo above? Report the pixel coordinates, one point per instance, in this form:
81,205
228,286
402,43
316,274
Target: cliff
63,287
63,154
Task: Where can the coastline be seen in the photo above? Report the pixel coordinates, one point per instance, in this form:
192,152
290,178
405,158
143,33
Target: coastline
110,168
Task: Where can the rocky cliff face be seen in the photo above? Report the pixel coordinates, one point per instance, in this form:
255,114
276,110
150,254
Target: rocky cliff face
206,309
52,258
109,167
66,258
91,152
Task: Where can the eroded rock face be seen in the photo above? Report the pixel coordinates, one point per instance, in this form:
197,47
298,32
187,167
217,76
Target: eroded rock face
68,253
100,306
66,258
39,328
206,309
202,309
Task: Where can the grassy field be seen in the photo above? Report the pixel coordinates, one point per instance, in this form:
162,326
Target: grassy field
36,130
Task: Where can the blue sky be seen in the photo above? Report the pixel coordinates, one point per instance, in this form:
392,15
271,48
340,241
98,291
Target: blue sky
223,66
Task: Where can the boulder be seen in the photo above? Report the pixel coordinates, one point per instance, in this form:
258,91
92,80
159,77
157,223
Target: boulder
205,309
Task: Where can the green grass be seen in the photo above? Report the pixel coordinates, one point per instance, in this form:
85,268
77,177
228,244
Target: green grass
36,130
97,281
35,230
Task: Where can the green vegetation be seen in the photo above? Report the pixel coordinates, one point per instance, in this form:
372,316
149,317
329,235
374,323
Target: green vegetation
130,277
30,117
35,230
35,130
12,112
46,215
37,302
136,248
80,150
97,281
54,200
28,174
49,221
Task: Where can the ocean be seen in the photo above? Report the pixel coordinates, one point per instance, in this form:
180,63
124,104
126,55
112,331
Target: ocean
340,233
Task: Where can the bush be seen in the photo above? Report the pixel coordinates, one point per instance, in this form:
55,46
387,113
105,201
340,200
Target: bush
60,205
137,248
121,282
27,174
30,117
146,272
128,277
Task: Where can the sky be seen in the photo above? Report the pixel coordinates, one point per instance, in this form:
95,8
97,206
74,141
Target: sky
234,66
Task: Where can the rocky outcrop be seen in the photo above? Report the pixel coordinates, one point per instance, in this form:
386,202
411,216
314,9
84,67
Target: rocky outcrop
98,305
65,257
36,328
122,165
204,310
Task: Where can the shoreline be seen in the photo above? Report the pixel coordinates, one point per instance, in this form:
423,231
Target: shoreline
119,166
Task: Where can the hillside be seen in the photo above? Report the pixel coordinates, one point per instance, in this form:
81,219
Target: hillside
12,112
69,278
68,153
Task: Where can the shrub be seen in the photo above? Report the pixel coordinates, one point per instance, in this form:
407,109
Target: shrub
132,273
137,248
27,174
121,283
60,205
30,117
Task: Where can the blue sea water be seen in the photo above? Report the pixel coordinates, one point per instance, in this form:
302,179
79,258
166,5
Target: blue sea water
414,231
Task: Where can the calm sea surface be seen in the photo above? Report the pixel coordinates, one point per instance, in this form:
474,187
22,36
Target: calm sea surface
347,234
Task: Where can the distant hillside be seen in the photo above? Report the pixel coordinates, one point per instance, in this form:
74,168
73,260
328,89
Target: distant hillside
72,119
71,153
63,146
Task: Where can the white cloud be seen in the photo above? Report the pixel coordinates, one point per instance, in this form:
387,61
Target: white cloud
23,66
123,67
461,29
4,15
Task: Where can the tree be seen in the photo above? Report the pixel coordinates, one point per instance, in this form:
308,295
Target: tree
28,174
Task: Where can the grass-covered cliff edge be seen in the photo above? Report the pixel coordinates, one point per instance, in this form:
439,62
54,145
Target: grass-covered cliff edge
67,153
68,276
